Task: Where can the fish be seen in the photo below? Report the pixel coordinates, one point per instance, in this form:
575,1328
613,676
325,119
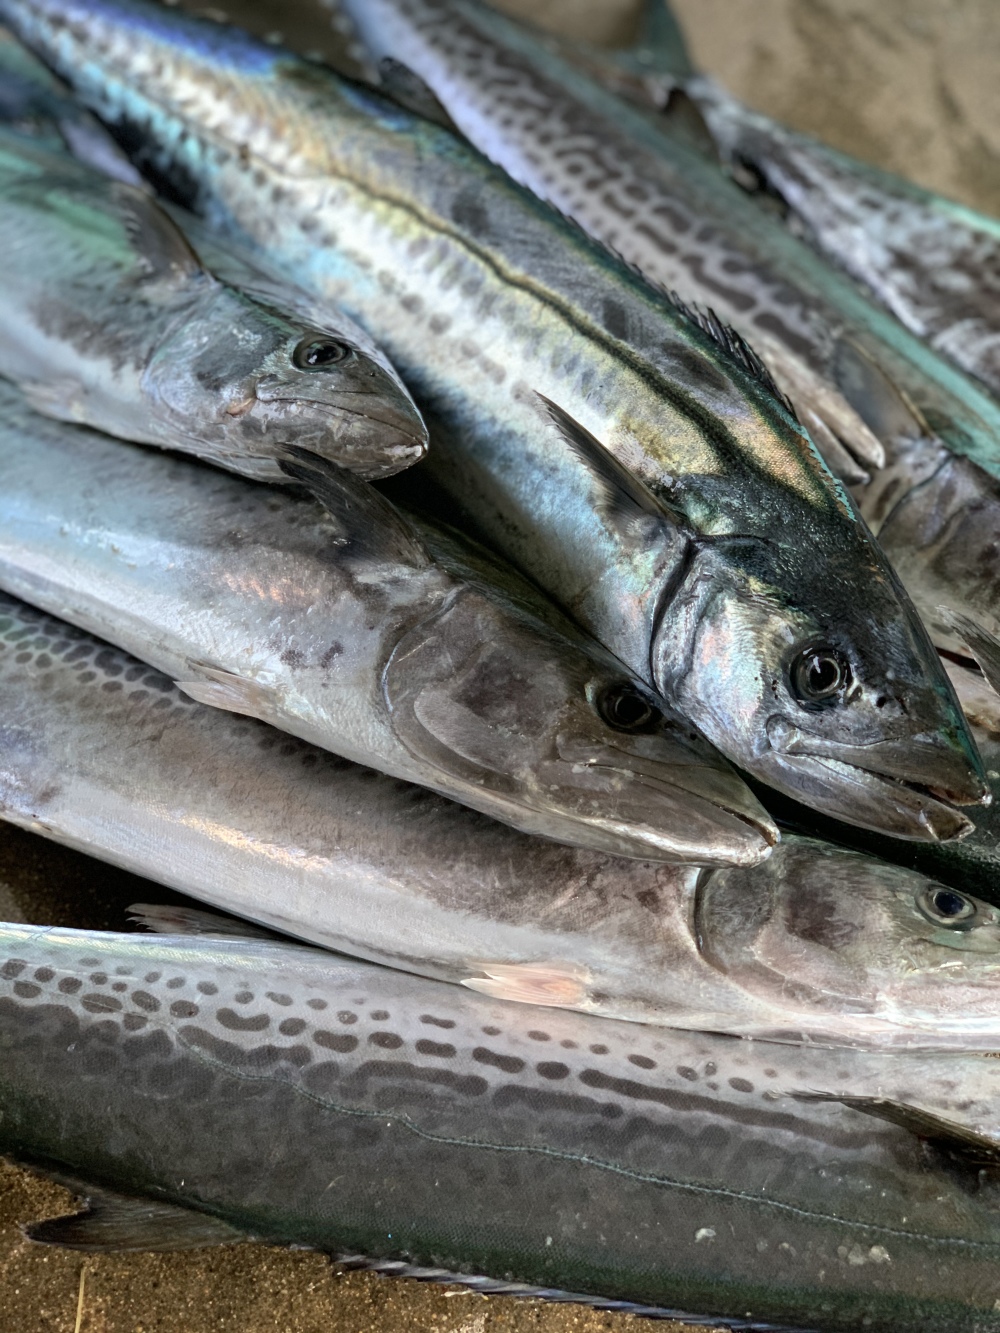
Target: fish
917,441
339,624
816,944
429,1132
111,319
634,462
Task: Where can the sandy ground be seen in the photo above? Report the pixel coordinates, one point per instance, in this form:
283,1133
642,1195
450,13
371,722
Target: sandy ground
908,84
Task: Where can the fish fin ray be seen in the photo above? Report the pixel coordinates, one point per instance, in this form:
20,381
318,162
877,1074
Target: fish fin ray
112,1223
405,86
685,115
625,495
878,400
223,690
371,525
917,1120
734,345
159,243
556,985
61,399
179,919
984,646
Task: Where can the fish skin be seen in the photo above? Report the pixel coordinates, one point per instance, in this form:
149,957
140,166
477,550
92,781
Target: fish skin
932,262
344,629
816,945
405,199
110,319
547,1148
933,499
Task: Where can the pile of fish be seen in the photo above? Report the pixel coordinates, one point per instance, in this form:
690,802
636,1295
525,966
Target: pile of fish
596,649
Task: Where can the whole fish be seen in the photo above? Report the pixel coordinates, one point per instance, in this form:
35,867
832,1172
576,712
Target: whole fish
734,577
919,442
351,629
816,944
110,318
424,1130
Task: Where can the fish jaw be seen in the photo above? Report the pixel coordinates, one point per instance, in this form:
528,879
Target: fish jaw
519,720
886,748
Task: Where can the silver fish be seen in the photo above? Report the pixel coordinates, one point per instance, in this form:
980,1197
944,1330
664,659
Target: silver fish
738,582
345,628
110,318
815,945
202,1091
918,441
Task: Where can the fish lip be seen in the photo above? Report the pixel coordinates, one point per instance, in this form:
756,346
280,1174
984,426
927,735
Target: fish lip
758,836
791,742
919,819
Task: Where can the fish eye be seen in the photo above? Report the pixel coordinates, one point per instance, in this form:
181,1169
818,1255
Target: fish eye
946,907
318,353
819,673
625,709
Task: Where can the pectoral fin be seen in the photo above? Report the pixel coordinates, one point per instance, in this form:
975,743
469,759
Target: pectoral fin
62,399
175,919
983,645
879,402
160,245
939,1130
113,1222
222,689
558,985
369,524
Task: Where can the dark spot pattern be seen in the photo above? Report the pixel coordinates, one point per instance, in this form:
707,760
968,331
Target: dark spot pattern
388,1041
435,1022
336,1041
229,1018
438,1048
510,1064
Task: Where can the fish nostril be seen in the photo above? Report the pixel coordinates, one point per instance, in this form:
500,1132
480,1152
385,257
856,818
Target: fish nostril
881,701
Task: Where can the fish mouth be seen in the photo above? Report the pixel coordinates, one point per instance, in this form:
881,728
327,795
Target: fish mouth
375,441
686,813
872,800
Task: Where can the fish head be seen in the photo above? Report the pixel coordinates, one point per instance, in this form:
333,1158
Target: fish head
577,748
824,687
253,381
841,936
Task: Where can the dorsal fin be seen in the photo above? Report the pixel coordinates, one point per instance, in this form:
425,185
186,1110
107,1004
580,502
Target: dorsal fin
734,345
660,45
624,494
406,87
369,524
685,117
158,242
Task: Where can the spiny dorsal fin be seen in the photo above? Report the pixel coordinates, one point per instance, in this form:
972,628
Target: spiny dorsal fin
160,245
734,345
625,495
660,46
113,1222
369,525
406,87
178,919
983,645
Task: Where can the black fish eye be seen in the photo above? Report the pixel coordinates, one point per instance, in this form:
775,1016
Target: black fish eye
946,907
318,353
819,672
625,709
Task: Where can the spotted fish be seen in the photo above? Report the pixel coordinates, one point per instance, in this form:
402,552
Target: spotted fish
345,625
918,441
814,945
532,1151
641,469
